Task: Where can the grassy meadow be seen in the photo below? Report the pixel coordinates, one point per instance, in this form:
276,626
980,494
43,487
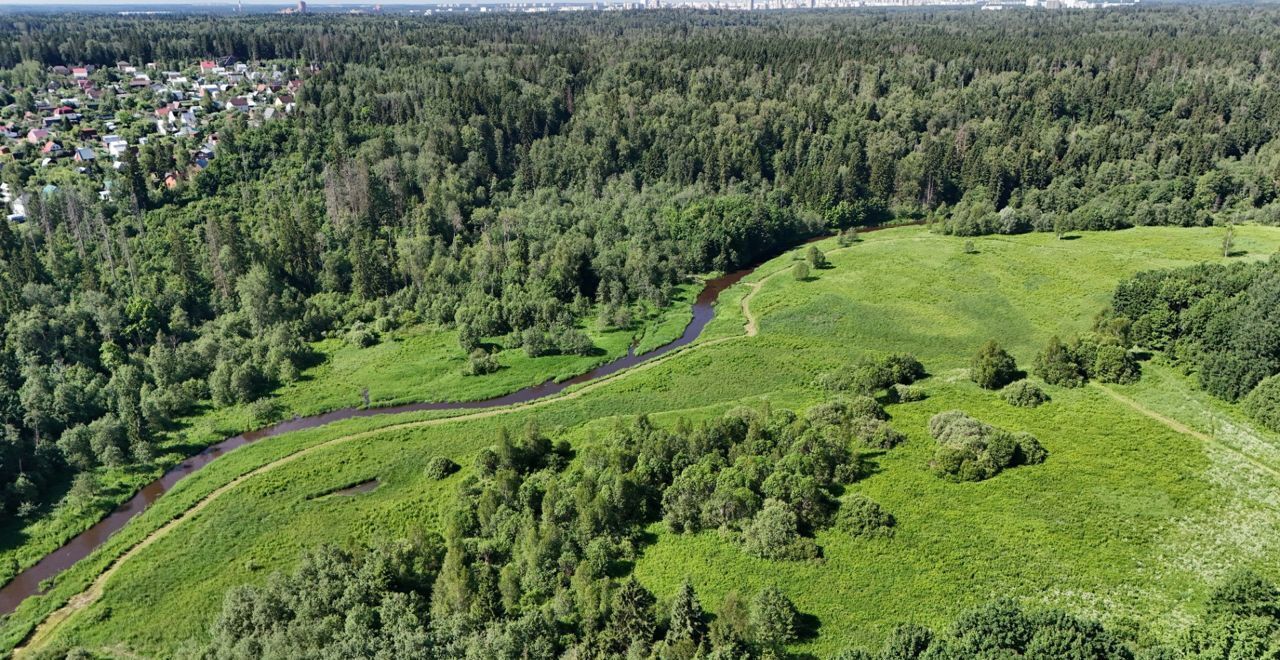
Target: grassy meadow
1129,520
417,363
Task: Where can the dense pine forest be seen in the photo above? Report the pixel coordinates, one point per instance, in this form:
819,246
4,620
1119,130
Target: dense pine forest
524,179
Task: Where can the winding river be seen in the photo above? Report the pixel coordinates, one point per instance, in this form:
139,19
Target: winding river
27,583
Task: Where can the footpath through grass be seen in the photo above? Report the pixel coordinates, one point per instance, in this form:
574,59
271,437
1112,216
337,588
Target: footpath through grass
1128,520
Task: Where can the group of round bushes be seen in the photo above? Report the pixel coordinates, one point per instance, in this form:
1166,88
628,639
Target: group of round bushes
1068,364
439,467
774,533
361,335
480,362
907,393
1073,363
862,417
970,450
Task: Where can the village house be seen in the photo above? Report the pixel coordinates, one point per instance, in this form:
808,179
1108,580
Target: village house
18,207
115,145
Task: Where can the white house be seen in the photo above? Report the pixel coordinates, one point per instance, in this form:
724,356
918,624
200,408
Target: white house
116,146
19,207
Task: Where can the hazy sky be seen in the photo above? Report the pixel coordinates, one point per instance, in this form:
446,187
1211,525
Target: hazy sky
205,4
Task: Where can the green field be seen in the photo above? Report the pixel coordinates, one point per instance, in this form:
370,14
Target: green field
1130,519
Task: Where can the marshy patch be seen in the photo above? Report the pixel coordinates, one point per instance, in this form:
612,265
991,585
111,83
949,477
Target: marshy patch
349,490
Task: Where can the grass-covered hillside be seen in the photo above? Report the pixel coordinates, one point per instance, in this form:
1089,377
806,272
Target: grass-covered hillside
1150,494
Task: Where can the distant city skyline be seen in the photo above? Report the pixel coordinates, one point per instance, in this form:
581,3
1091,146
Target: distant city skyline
199,4
111,6
427,7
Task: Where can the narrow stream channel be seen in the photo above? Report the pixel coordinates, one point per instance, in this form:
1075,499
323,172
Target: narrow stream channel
27,583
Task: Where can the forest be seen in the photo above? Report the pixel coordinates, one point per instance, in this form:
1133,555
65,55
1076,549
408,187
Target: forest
520,180
516,178
1216,322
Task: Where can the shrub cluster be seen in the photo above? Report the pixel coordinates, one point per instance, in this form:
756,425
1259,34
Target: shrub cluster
1003,629
872,376
861,418
1263,403
861,516
907,393
1241,620
1024,394
361,335
993,368
439,467
564,340
970,450
479,363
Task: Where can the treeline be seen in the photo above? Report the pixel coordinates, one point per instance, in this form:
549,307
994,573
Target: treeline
374,603
1215,321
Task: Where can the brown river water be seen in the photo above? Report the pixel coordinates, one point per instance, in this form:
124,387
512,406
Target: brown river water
27,583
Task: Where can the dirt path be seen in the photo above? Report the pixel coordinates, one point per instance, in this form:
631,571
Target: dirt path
45,630
87,597
1179,427
751,328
